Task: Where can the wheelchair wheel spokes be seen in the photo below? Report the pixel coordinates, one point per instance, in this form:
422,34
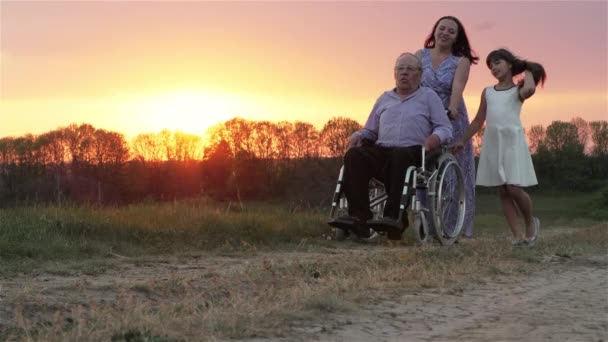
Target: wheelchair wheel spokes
448,202
377,198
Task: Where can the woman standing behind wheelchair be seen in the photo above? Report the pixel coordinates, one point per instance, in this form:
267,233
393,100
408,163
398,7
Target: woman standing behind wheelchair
446,60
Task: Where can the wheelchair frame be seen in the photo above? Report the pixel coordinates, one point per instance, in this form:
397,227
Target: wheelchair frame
444,195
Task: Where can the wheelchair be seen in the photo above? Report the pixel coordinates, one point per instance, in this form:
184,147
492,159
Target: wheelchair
434,192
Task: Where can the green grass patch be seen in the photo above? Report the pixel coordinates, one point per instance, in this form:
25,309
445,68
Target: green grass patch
58,233
29,235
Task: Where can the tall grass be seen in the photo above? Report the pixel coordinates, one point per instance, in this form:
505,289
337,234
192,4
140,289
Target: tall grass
76,232
252,295
52,232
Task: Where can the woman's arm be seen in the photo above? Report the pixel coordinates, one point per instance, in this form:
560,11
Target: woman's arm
461,77
442,131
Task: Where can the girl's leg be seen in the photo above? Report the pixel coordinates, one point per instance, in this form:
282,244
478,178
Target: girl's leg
510,211
525,205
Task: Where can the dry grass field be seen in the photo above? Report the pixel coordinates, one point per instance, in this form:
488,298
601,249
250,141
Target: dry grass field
198,271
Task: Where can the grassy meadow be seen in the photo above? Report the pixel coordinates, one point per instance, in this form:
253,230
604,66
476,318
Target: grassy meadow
221,271
71,233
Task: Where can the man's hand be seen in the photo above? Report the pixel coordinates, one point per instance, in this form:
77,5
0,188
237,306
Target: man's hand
432,143
354,140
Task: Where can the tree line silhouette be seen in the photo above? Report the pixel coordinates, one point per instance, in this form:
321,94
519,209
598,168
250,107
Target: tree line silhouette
242,160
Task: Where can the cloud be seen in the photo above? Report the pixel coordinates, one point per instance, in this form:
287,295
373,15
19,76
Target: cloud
484,26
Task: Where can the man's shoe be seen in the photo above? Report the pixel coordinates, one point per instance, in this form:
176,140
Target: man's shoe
344,222
393,228
362,231
351,224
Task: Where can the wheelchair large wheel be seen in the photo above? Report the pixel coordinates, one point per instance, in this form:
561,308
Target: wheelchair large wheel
447,199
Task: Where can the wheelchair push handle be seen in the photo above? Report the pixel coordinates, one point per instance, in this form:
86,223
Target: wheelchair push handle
423,158
443,148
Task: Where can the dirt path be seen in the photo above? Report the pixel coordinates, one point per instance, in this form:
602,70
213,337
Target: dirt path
568,301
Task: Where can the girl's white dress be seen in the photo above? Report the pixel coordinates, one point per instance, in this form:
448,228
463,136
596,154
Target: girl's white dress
505,156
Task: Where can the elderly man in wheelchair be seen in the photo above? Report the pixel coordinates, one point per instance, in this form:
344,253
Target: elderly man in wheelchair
401,153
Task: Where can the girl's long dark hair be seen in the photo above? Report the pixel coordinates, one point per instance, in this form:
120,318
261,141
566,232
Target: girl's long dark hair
461,47
518,65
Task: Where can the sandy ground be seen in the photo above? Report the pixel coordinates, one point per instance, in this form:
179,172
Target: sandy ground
566,301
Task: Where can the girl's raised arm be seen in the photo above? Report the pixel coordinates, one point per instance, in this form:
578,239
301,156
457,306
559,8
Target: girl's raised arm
528,87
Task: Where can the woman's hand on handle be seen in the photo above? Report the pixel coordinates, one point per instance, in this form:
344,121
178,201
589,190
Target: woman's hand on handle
452,113
457,147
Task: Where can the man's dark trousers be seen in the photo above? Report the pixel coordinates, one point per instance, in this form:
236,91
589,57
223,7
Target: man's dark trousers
386,164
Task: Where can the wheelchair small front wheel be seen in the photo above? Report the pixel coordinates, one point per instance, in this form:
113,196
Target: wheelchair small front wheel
447,200
340,234
420,228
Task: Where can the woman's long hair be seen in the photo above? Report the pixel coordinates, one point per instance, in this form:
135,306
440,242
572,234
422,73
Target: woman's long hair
461,46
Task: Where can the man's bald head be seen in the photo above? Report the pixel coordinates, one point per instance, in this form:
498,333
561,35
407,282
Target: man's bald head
408,72
408,58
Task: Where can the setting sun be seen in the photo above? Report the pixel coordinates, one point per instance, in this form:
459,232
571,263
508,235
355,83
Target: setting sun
191,111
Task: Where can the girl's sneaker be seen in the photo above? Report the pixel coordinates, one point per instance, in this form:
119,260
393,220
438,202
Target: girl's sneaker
536,223
519,243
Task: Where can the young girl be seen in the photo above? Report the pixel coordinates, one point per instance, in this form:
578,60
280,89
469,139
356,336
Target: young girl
505,160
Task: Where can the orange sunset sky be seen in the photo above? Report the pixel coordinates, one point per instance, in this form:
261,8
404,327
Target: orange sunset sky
141,66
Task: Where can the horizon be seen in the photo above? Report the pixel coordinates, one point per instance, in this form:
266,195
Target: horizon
137,68
210,129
